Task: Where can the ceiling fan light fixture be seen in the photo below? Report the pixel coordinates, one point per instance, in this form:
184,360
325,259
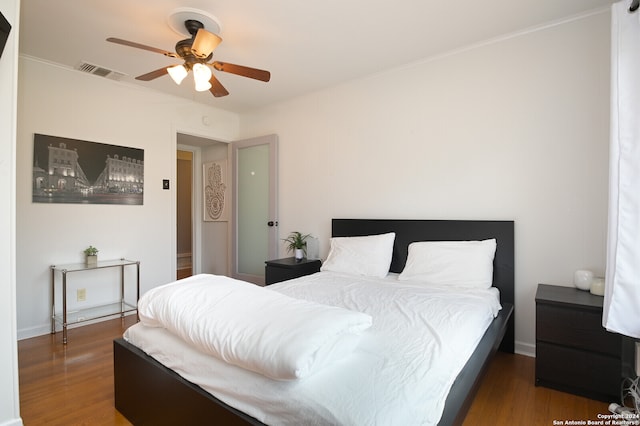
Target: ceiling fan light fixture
202,86
201,76
190,22
204,43
177,73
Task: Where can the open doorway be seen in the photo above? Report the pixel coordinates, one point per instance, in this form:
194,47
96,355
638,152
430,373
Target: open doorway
184,214
209,242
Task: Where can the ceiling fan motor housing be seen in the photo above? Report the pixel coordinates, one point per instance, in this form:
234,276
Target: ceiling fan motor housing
183,49
193,26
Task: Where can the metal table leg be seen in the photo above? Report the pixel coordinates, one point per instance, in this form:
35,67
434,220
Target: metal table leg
53,300
64,307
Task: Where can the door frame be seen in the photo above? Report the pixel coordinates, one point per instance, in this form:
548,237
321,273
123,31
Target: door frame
196,199
272,250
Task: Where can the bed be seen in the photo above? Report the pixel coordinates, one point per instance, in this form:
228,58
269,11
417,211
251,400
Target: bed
146,392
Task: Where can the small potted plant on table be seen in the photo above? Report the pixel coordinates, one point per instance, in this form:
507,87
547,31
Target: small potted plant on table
92,255
296,242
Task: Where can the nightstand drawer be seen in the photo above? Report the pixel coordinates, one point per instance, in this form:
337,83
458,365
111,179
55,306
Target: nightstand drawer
589,374
574,353
577,328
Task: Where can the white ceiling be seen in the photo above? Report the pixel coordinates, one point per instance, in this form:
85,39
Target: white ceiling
307,45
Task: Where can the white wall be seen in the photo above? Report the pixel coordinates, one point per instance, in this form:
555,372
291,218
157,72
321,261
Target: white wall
514,129
9,394
62,102
216,236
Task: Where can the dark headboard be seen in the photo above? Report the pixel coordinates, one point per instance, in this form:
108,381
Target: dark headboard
408,231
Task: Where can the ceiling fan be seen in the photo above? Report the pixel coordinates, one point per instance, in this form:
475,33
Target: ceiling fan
196,52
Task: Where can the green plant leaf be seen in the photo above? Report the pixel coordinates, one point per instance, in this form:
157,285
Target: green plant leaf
296,240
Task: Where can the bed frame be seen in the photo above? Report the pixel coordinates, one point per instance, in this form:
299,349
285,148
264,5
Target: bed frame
147,393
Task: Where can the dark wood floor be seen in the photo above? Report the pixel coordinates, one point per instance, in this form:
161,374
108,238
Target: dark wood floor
508,396
70,384
73,385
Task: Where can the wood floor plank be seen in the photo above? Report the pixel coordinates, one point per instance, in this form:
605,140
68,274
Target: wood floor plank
70,384
508,396
73,385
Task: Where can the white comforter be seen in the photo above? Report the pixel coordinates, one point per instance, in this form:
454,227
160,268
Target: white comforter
399,374
253,327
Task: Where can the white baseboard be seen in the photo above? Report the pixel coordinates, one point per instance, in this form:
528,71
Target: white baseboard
41,330
27,333
12,422
527,349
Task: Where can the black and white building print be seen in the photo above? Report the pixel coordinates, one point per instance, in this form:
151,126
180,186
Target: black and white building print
74,171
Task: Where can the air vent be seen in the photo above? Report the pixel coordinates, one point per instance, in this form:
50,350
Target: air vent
99,71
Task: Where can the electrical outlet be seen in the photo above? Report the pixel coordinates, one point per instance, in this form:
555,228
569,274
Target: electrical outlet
637,358
81,294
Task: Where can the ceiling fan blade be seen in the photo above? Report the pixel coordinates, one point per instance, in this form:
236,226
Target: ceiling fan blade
242,70
204,43
153,74
217,89
141,46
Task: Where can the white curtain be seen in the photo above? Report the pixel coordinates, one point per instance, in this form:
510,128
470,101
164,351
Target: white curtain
622,290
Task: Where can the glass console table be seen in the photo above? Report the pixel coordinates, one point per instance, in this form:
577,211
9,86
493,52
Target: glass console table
117,308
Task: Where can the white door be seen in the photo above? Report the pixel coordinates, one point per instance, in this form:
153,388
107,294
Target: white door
255,222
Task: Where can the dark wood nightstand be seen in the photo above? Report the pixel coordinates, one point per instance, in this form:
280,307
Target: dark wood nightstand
289,268
574,353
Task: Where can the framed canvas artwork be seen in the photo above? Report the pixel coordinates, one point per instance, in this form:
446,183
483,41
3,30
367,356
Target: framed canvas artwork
76,171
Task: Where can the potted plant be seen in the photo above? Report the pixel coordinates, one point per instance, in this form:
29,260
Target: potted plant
92,255
296,242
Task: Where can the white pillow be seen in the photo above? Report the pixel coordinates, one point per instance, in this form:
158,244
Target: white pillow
456,263
369,255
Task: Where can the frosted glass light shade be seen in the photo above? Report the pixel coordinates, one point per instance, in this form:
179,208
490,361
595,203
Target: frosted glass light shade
201,76
177,73
202,87
204,43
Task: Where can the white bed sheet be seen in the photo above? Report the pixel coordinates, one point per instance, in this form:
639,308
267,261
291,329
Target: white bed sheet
400,373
